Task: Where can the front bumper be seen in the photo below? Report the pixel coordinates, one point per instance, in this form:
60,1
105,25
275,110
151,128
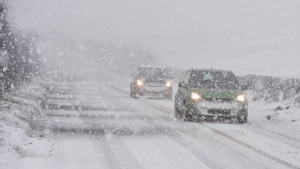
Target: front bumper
149,90
220,110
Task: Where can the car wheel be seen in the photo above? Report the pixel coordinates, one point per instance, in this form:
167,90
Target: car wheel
186,115
178,114
245,119
242,120
132,94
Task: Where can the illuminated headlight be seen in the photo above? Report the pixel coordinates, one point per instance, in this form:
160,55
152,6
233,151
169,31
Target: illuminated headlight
168,84
195,96
240,98
139,82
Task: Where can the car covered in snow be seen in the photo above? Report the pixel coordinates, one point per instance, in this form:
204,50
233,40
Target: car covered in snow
208,94
151,81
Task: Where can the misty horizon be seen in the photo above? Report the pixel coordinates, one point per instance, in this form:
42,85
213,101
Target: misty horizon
242,36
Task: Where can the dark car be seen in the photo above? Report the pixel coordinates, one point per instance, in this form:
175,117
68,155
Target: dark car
151,81
211,94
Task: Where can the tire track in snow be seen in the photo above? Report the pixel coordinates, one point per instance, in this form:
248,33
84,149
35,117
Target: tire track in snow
111,159
101,146
175,136
153,122
126,158
292,142
276,133
235,140
104,149
242,157
210,156
258,151
209,162
255,149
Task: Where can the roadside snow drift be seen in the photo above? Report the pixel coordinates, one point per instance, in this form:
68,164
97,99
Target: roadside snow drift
19,131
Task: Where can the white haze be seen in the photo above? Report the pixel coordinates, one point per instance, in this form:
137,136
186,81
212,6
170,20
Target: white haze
245,36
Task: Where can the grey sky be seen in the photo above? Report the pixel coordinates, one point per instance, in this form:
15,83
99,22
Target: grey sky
242,35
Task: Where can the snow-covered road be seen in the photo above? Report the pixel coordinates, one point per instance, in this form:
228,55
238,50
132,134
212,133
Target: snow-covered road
97,125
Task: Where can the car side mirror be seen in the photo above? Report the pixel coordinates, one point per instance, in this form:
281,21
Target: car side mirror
182,84
244,87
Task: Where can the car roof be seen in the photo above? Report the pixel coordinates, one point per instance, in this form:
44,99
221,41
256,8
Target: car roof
214,70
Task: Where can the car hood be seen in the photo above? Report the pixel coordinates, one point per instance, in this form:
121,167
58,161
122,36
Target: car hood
217,93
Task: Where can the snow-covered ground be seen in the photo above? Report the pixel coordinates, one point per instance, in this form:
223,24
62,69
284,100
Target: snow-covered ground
95,124
20,117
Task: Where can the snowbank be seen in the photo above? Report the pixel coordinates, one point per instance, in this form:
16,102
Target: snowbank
19,131
273,99
283,112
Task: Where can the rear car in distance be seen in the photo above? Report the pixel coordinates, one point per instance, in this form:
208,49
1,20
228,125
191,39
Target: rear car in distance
210,95
151,81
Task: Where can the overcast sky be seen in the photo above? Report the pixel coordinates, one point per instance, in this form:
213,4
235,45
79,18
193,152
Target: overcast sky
246,36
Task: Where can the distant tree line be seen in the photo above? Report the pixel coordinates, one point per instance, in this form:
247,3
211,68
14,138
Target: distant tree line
18,56
272,89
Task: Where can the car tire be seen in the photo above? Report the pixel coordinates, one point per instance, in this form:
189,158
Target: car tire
178,114
242,120
245,119
132,94
186,115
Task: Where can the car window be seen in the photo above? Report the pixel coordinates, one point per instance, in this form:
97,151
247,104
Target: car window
151,71
211,79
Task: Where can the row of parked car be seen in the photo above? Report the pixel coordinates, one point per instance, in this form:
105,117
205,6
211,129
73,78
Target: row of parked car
204,94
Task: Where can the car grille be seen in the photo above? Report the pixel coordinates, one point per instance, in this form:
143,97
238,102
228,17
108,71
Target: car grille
155,85
218,100
218,111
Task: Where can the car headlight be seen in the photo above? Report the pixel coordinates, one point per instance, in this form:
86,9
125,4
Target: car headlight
240,98
168,84
195,96
139,82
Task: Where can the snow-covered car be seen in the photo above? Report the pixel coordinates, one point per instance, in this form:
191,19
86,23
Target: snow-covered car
210,95
151,81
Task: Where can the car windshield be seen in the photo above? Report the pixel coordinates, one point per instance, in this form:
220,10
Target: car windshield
152,72
213,79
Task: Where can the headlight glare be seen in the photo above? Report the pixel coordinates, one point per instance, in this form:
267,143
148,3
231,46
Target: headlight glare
195,96
168,84
240,98
139,82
